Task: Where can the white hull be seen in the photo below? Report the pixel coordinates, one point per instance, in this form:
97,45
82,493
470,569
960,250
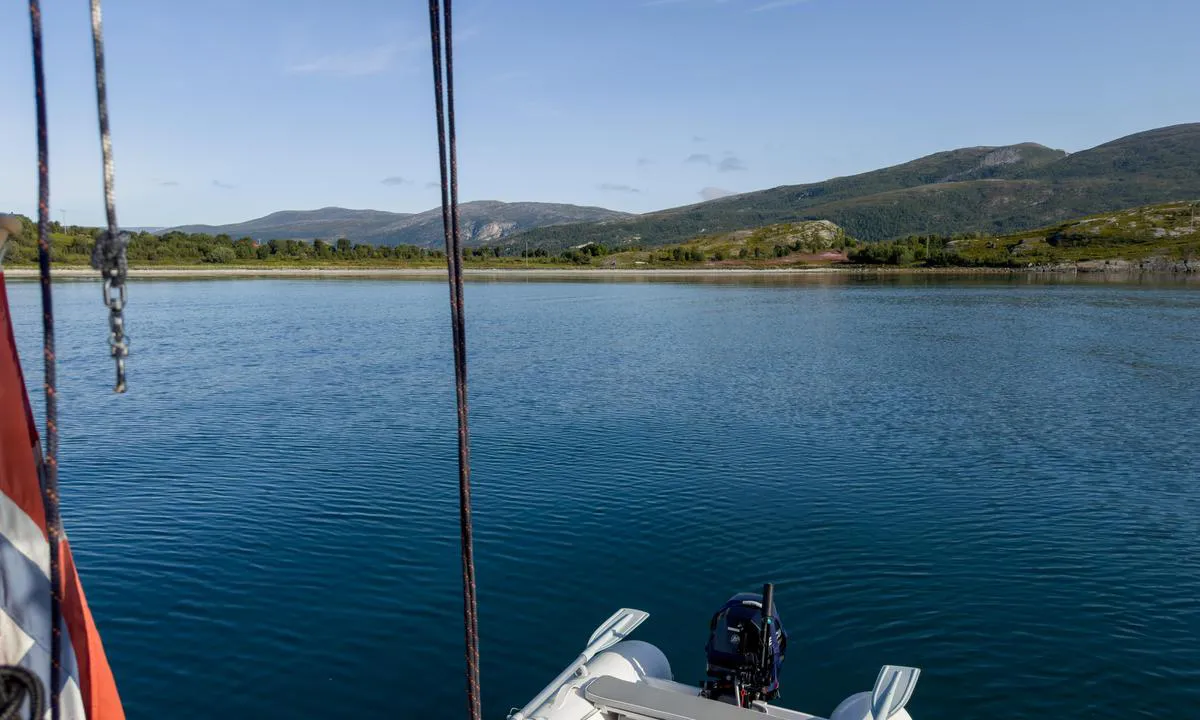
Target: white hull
632,680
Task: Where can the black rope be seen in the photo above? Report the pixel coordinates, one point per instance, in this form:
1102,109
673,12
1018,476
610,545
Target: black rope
16,686
108,255
50,464
444,103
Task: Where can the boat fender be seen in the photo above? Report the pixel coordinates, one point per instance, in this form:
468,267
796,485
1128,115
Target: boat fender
629,660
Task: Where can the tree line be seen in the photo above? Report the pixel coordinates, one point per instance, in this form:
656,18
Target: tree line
72,245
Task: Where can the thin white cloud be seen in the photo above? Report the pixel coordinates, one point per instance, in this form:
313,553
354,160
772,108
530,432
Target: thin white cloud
615,187
776,4
355,63
712,193
761,7
730,164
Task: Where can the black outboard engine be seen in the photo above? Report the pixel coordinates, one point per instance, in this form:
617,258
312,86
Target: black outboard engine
746,645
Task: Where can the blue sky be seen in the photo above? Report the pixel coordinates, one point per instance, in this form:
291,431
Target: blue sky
226,110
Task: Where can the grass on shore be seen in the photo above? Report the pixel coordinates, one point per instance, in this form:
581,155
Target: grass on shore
1169,231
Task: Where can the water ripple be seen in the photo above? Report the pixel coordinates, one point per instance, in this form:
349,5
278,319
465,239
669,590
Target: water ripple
994,481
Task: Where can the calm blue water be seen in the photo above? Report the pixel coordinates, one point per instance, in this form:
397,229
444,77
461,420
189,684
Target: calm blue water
994,480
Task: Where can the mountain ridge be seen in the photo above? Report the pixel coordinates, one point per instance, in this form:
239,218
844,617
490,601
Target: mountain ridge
481,221
983,188
992,189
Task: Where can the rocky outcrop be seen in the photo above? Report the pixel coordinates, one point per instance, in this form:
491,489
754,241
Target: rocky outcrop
1148,265
484,233
815,234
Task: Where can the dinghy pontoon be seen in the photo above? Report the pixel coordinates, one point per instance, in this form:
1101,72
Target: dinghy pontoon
619,679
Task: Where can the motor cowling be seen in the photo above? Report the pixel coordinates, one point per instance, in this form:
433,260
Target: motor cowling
745,650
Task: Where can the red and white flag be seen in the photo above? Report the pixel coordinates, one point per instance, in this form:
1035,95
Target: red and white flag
86,689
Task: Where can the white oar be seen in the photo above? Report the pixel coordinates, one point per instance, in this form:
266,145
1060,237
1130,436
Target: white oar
893,688
611,631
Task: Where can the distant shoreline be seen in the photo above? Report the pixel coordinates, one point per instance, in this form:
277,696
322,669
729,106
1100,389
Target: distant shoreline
199,272
84,273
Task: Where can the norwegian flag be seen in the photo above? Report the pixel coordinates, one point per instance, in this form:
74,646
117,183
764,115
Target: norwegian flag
86,689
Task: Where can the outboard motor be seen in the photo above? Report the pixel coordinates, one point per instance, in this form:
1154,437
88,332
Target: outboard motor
745,649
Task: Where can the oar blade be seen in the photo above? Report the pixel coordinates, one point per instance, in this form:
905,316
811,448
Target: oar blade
893,688
615,629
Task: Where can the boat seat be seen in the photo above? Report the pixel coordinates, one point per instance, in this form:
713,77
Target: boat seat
642,701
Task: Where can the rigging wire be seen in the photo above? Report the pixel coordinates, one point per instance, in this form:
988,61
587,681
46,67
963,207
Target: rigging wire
49,465
108,255
448,166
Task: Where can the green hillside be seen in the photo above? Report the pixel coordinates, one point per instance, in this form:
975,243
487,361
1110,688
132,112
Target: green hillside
1156,237
983,189
1159,237
1167,233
